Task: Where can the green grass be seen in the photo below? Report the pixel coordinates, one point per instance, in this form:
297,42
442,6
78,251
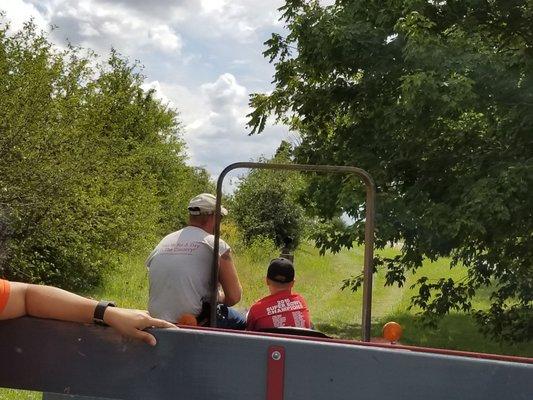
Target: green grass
455,331
11,394
127,285
335,312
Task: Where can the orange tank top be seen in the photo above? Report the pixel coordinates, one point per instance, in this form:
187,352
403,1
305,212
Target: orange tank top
4,294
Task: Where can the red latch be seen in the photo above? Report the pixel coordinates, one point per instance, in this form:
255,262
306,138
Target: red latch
275,372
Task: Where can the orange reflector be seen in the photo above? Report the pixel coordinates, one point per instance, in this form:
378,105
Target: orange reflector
392,331
188,319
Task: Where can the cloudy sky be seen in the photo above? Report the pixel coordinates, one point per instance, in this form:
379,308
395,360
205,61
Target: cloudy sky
202,56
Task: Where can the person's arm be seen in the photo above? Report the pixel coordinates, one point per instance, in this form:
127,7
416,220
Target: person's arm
228,278
50,302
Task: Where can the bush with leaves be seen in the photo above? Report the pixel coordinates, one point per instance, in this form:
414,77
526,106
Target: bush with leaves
435,100
265,204
91,166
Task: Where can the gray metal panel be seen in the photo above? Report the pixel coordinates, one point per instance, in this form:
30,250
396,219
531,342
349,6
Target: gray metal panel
194,364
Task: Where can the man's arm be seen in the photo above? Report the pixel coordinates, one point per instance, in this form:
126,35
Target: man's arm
228,278
50,302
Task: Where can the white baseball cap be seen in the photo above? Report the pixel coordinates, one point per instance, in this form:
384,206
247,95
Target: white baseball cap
204,203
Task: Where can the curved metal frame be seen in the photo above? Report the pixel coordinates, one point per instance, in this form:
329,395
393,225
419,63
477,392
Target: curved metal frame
369,229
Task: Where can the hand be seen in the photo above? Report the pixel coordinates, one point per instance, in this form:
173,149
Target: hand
132,322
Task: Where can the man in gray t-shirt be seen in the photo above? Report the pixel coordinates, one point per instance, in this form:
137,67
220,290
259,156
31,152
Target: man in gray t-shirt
179,268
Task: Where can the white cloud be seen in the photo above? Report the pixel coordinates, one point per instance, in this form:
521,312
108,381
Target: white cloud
218,136
169,10
202,57
213,5
225,93
165,38
18,12
112,28
102,25
214,117
159,93
239,20
86,29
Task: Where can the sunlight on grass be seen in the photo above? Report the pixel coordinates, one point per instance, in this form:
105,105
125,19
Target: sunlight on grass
336,312
10,394
455,331
127,285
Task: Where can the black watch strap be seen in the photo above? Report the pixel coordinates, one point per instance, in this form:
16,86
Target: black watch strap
98,317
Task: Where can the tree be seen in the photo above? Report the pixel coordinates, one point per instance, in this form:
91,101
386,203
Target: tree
91,165
435,100
265,203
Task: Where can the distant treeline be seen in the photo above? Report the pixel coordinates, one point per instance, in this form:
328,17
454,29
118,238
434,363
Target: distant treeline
91,165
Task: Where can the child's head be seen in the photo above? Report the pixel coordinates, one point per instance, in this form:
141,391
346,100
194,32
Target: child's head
280,275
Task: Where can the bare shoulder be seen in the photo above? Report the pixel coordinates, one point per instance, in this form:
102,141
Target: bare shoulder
227,255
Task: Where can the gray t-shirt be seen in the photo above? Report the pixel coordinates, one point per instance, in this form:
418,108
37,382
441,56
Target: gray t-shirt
179,269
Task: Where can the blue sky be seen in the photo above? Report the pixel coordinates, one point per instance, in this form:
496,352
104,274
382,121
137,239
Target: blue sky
202,56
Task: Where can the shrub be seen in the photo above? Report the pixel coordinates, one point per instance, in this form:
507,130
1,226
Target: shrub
265,204
91,165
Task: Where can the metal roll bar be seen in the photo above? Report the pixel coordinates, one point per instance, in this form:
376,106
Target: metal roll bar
369,229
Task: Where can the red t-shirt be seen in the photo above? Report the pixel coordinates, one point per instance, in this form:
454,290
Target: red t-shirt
4,294
280,309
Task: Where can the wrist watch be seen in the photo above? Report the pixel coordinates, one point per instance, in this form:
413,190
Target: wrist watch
98,317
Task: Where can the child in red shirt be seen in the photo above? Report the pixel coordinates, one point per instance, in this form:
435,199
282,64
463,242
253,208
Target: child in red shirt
282,307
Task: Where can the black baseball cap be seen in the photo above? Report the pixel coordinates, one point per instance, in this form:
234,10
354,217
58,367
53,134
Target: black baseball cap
280,270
